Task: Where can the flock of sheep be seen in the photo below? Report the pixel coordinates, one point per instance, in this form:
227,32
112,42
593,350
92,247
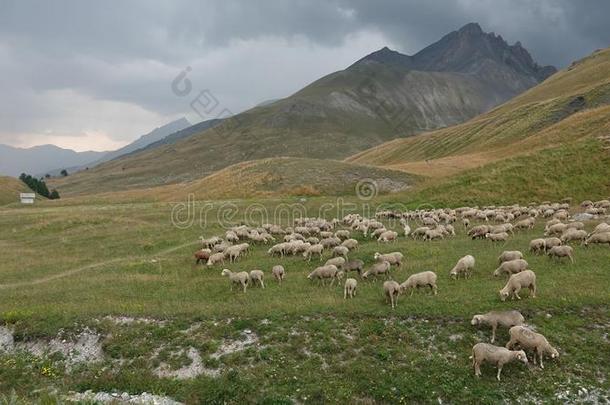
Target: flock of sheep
312,237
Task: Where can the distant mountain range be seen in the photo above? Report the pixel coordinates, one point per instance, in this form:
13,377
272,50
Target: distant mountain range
51,159
383,96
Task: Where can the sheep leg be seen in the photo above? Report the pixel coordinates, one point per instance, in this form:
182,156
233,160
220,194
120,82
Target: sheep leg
434,288
493,333
262,284
245,284
499,372
345,294
533,290
540,354
477,368
392,300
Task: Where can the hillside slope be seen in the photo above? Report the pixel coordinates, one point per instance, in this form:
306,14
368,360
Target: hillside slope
10,188
569,105
374,100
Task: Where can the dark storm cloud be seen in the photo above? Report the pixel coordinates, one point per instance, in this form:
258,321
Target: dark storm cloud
70,67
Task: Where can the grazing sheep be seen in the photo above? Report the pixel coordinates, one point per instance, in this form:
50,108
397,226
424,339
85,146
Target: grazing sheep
484,352
351,244
550,243
231,236
313,250
257,277
526,223
406,229
537,246
378,232
349,290
432,234
576,225
524,279
388,236
478,231
507,319
573,234
509,255
330,242
394,258
377,269
209,243
392,291
354,265
421,231
279,273
202,256
342,234
464,266
417,280
465,222
340,251
530,340
216,258
561,251
240,278
598,238
324,273
497,237
556,229
511,267
601,228
233,253
336,261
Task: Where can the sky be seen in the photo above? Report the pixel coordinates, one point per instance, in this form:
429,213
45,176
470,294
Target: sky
95,75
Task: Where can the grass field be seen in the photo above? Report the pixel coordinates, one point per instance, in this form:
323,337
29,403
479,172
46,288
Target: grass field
66,268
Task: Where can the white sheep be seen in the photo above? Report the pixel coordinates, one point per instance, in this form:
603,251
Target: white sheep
388,236
377,269
509,255
324,273
279,273
497,237
340,251
530,340
573,234
240,278
433,234
524,279
511,267
463,266
601,238
561,251
550,243
316,249
484,352
507,319
394,258
216,258
537,246
336,261
354,265
342,234
417,280
349,290
392,291
257,277
351,244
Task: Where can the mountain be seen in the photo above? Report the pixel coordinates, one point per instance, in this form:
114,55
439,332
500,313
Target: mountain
155,135
39,160
383,96
548,143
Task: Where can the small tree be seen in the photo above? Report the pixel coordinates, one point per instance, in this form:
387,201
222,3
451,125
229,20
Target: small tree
64,172
47,176
54,195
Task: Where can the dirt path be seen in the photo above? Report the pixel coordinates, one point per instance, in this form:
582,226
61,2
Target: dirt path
77,270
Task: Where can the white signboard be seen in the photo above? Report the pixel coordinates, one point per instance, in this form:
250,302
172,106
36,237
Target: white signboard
27,198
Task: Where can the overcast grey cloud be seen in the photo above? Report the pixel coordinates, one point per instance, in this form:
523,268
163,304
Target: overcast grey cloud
95,75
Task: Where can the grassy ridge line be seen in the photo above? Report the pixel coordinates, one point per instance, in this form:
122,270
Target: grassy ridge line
10,188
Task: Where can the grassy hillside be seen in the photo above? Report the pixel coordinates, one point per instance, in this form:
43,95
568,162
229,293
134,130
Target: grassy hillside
567,106
126,276
294,176
10,188
580,170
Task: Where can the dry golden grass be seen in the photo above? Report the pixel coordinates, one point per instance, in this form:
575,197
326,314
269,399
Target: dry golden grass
10,188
